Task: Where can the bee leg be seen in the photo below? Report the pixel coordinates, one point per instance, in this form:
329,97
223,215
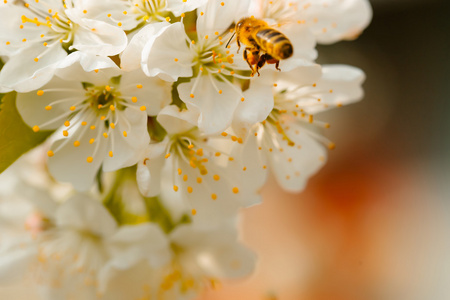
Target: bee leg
277,64
262,61
247,60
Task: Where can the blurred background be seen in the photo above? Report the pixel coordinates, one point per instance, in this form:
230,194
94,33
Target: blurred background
374,223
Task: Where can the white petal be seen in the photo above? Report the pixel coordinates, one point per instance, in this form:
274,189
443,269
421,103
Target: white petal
295,164
339,20
303,43
257,104
155,94
23,74
339,85
84,213
176,121
15,263
32,107
149,168
177,7
167,55
131,56
216,109
70,164
126,149
219,18
132,244
99,38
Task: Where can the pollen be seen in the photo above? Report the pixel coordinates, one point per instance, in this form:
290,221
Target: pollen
50,153
36,128
40,93
90,159
235,190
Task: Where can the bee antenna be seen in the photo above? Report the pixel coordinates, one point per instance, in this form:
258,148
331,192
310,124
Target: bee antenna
230,39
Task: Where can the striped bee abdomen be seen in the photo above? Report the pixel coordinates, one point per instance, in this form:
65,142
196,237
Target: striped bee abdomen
274,43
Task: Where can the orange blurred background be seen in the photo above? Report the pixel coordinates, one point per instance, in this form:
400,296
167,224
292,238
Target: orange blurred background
374,222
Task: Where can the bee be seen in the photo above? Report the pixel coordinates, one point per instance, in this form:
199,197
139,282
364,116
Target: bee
258,36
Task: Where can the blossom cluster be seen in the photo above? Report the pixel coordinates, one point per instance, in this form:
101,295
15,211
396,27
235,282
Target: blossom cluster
162,133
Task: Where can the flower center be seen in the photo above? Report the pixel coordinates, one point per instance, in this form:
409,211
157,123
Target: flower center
151,10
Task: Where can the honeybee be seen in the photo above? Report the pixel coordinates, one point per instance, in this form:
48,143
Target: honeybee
258,36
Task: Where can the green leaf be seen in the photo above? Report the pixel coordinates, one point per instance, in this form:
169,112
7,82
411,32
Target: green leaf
16,137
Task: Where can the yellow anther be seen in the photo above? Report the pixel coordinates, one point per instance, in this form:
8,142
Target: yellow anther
224,134
91,141
134,99
111,107
199,180
89,159
48,107
139,86
190,146
92,127
109,15
125,12
202,13
96,70
221,3
235,190
107,88
102,118
72,108
65,133
175,188
192,42
167,155
110,154
185,177
217,154
83,123
199,151
50,153
234,138
84,11
112,125
125,134
143,108
216,177
40,93
179,171
105,135
36,128
206,37
175,59
76,143
220,91
194,212
216,33
119,24
67,123
36,59
331,146
183,14
99,106
213,196
191,95
168,19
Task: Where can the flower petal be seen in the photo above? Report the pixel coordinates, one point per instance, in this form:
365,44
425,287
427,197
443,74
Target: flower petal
167,55
84,213
215,100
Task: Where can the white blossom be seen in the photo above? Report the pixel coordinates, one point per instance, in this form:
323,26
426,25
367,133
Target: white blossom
36,35
103,114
